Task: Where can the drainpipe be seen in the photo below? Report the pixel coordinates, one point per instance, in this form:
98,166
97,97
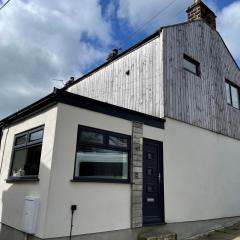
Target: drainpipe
3,147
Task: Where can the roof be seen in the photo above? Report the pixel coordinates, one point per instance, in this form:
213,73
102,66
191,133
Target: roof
51,99
139,44
61,96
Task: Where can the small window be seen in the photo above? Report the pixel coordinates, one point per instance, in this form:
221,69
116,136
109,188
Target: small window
21,140
26,154
118,141
101,156
191,65
232,92
91,137
36,135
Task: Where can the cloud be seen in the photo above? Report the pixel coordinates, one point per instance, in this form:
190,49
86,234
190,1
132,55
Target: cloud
43,40
137,12
228,25
111,9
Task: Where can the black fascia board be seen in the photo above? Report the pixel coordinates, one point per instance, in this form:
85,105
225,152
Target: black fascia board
32,109
61,96
108,109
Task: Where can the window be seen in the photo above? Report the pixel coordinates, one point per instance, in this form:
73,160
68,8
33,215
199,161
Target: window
232,92
26,154
191,65
101,156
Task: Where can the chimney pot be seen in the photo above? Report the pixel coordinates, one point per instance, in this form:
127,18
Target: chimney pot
113,54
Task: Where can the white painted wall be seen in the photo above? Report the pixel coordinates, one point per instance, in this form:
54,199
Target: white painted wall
12,195
201,176
201,172
100,206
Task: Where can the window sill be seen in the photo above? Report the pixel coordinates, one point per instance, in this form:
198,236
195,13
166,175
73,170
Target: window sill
100,180
196,74
232,106
22,179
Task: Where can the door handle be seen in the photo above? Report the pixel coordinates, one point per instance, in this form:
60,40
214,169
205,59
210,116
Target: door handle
159,177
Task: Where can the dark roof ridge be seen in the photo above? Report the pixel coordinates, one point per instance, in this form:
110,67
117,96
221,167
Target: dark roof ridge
138,44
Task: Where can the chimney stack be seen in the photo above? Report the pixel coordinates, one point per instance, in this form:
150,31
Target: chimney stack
200,11
70,81
112,55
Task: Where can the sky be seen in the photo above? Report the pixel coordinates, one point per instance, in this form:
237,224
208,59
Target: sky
43,43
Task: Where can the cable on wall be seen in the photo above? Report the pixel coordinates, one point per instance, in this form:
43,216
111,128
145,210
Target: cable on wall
73,209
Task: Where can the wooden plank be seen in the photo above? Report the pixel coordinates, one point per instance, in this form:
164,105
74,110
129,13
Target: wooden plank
158,85
200,101
136,91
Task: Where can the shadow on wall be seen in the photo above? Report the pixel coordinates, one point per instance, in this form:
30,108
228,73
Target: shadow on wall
13,199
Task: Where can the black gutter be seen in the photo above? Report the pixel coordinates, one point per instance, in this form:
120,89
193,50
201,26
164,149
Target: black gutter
61,96
35,107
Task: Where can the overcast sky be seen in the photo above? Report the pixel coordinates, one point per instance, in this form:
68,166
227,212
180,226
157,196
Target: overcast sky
43,40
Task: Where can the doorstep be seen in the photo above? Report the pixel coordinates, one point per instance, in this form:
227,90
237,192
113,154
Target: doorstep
157,236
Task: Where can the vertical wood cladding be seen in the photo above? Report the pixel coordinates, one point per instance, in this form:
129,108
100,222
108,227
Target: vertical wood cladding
200,101
133,81
151,79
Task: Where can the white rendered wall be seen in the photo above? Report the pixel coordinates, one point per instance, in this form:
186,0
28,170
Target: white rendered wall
201,172
12,195
100,206
201,176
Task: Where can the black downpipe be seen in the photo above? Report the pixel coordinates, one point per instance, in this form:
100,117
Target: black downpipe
73,209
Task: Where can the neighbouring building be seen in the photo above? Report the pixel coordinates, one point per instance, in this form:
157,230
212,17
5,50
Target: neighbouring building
148,141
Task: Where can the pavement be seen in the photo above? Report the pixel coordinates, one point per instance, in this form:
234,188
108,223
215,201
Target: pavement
227,233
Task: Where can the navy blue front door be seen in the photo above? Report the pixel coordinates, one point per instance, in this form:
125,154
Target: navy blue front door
153,199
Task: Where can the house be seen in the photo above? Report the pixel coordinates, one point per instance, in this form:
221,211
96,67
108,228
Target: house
147,141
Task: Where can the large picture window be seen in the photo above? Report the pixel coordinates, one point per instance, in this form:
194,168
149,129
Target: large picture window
101,155
26,154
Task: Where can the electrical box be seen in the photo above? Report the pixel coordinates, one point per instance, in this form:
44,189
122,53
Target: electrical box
30,214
